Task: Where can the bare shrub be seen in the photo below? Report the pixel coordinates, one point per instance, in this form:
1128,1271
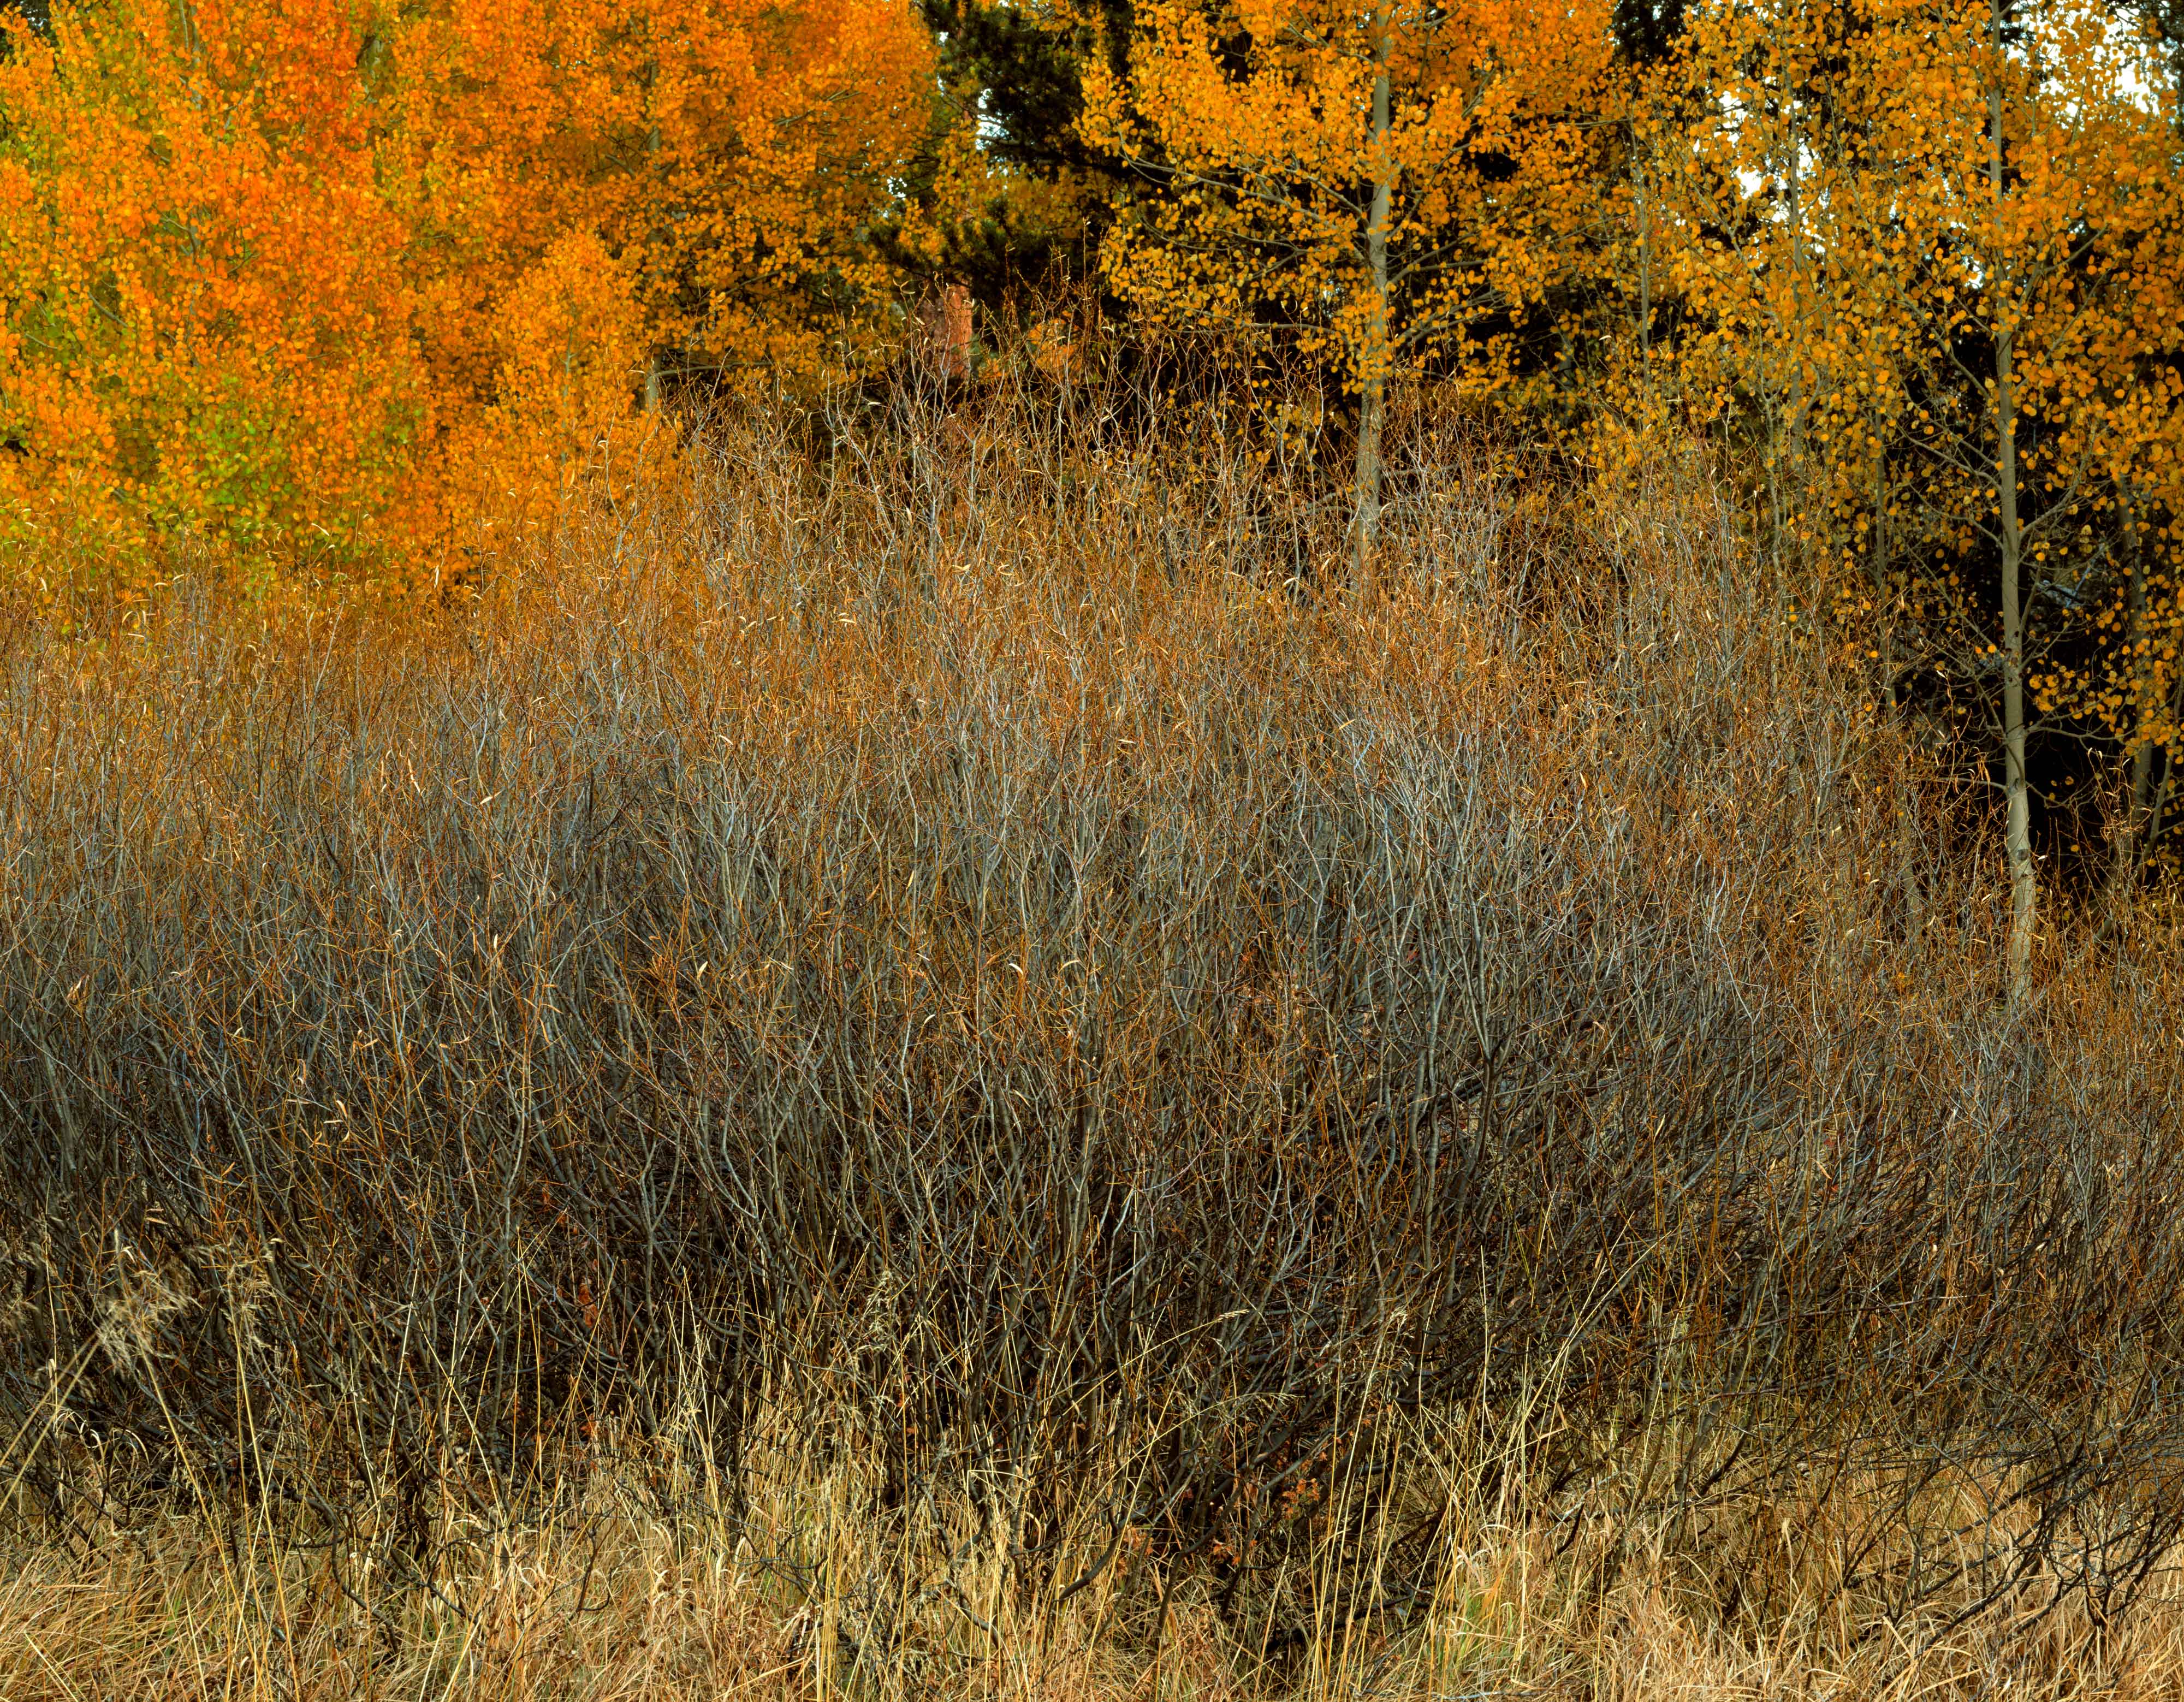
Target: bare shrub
971,938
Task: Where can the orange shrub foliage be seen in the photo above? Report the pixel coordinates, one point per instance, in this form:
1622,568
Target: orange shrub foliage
556,413
338,289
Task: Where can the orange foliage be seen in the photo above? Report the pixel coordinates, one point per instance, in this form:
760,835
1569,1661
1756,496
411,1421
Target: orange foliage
732,155
337,289
205,306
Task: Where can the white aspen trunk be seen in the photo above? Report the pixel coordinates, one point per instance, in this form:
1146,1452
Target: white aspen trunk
1797,289
2024,889
2123,876
1373,374
1644,285
2157,812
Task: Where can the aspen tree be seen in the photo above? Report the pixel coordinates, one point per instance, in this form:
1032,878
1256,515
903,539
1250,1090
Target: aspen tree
1975,249
1391,186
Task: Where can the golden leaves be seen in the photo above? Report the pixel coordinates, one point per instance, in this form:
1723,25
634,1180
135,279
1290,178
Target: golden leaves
1261,167
1881,202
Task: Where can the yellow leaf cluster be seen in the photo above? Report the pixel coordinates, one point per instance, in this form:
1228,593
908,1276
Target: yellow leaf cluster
1251,127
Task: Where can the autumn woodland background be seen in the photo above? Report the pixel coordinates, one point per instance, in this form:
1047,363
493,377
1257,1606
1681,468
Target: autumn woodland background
1214,848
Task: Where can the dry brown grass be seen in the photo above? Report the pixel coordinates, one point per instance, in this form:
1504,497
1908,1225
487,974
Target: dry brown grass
901,1068
665,1588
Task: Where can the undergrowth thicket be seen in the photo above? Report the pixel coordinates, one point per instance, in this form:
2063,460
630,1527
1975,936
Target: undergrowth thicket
948,1060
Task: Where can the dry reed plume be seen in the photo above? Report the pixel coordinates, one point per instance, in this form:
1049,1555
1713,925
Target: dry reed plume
934,1065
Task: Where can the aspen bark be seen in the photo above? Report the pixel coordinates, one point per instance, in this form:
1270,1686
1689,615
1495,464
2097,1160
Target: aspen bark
2024,891
2124,875
1644,284
1373,374
2023,894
